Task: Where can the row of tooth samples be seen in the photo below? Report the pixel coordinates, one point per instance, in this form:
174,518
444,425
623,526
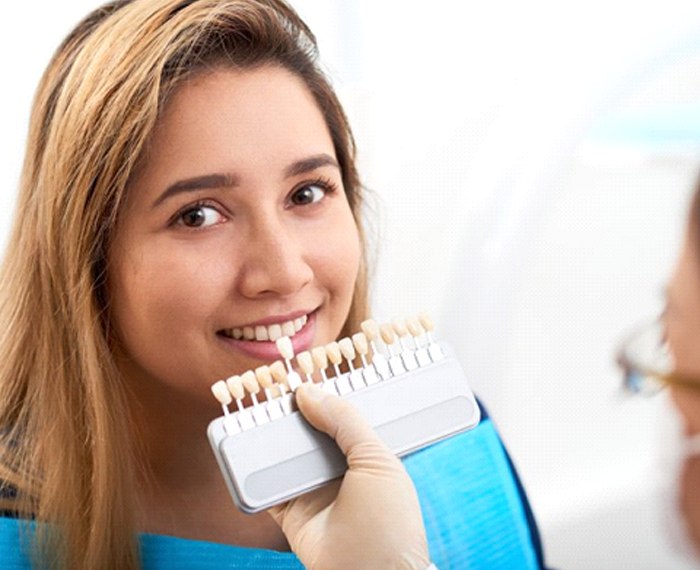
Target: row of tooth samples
377,353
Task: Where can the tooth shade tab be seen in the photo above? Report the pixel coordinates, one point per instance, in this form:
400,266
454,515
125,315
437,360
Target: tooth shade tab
320,357
235,386
306,363
387,332
371,329
333,352
221,392
284,345
359,340
426,322
399,327
264,376
279,372
347,349
250,382
414,326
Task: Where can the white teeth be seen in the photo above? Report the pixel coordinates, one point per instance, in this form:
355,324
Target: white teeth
274,332
269,333
288,328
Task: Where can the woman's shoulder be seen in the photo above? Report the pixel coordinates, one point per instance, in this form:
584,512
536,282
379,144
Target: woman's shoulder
14,542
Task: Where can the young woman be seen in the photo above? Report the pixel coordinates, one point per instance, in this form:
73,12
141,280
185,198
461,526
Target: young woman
189,191
189,176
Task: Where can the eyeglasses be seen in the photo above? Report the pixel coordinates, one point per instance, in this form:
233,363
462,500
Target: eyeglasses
647,362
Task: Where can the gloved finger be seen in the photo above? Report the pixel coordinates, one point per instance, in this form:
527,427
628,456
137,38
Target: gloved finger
335,417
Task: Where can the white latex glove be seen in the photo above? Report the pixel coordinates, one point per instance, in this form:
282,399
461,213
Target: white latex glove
370,519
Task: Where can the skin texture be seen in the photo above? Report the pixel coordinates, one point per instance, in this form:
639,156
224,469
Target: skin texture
269,242
682,319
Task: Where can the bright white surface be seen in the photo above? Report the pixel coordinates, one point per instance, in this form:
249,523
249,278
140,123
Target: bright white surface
508,210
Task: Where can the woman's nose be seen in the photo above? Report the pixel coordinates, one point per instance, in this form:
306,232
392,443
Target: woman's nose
275,261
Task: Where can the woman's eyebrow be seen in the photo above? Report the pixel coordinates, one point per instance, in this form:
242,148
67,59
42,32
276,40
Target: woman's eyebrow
309,164
211,181
197,183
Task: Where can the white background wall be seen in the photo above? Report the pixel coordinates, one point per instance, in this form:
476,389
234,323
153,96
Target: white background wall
532,164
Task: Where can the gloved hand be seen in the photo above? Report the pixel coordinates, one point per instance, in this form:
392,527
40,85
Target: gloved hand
369,519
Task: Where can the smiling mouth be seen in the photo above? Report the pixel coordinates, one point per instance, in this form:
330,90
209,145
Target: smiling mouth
263,333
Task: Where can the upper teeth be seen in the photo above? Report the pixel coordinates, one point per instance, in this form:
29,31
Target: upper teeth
271,332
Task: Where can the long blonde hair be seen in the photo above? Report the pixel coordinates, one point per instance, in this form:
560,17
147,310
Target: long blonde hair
63,420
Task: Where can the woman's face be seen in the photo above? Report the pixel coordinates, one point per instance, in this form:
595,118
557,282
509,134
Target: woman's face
682,319
236,222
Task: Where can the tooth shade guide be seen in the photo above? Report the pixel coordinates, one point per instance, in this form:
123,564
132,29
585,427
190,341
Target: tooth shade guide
222,394
413,409
426,322
279,373
357,362
320,359
359,341
343,385
434,349
264,378
286,349
414,327
370,329
406,352
284,345
401,332
387,333
335,357
243,417
399,327
306,364
235,387
250,382
348,351
369,373
422,356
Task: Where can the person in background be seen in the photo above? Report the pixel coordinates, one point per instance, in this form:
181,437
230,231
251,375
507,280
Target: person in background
664,353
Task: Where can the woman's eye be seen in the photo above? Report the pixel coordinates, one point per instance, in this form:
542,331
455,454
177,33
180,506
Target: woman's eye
309,194
200,217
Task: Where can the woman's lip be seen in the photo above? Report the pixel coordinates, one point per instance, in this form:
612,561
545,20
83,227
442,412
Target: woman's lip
267,350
